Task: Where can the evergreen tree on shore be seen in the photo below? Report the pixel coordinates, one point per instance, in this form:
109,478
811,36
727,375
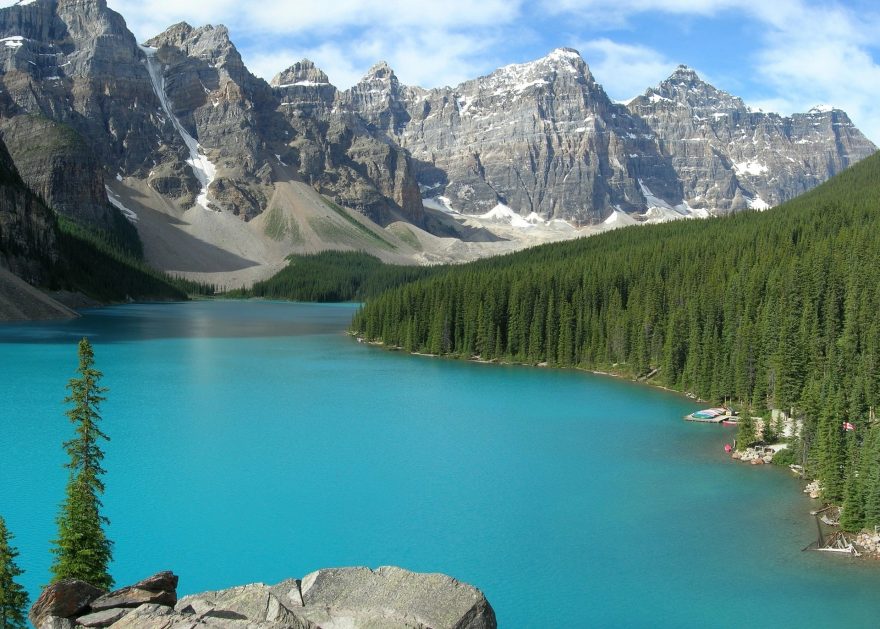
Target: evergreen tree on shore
13,598
82,550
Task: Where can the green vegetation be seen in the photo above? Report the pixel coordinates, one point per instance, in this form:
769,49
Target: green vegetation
405,234
278,227
362,229
334,276
13,598
771,310
82,550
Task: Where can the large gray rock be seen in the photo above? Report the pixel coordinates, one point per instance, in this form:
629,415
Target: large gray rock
64,599
386,598
391,597
160,589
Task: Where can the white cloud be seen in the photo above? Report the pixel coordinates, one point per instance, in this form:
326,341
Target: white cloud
315,16
625,70
430,43
428,57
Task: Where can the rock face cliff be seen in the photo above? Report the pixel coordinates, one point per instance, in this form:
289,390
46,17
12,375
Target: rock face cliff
74,71
28,245
338,150
729,157
539,137
387,598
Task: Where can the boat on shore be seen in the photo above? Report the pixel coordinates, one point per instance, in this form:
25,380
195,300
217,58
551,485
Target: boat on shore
716,415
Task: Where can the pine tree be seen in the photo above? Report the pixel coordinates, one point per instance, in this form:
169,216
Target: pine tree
746,433
13,598
82,550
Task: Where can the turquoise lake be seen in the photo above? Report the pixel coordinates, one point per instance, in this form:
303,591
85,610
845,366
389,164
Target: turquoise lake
255,441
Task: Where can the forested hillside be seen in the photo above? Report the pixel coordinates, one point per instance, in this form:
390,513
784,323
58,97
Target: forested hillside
773,310
334,276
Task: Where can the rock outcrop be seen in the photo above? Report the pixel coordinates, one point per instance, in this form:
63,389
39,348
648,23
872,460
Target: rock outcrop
67,599
386,598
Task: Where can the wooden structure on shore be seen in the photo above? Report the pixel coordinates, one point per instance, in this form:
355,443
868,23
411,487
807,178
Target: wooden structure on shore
693,417
837,542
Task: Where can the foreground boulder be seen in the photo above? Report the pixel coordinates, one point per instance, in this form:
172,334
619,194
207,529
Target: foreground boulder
386,598
66,599
392,597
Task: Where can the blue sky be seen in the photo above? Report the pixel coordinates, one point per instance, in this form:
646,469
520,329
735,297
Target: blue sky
780,55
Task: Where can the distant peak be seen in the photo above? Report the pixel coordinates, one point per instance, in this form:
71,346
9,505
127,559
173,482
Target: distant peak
301,73
381,71
684,73
565,53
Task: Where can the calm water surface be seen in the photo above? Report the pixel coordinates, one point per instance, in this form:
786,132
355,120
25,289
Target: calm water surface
254,441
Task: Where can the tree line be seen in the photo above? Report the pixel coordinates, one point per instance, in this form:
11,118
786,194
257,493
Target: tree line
774,310
333,276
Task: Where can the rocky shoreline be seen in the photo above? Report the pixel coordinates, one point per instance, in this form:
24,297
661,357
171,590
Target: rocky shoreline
335,598
864,544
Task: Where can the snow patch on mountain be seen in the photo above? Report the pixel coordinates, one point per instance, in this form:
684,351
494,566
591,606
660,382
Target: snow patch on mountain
618,219
129,214
204,170
440,203
758,204
750,168
504,213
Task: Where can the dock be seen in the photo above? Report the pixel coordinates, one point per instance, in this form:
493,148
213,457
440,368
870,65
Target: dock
710,420
716,415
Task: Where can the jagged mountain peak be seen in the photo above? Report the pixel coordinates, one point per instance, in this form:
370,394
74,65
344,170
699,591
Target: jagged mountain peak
565,54
684,73
303,72
559,58
183,33
685,87
379,71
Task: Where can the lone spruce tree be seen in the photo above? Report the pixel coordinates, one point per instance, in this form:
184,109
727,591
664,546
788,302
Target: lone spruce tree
82,550
13,598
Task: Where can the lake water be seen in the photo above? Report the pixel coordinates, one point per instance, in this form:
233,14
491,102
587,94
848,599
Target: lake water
255,441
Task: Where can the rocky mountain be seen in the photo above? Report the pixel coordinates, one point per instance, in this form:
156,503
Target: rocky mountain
224,174
728,157
540,137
